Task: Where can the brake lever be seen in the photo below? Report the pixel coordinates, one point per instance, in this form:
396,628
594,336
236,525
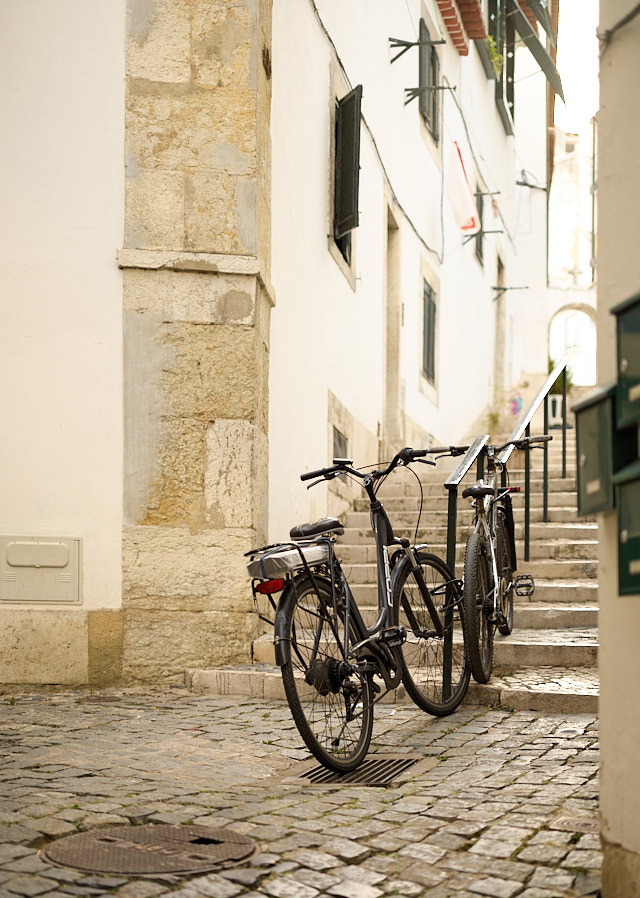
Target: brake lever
320,479
425,461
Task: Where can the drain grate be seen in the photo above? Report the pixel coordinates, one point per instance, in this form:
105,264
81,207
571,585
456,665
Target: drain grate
148,849
372,772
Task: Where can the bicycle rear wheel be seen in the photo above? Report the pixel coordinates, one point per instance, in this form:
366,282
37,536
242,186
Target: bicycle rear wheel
476,594
330,700
435,670
505,572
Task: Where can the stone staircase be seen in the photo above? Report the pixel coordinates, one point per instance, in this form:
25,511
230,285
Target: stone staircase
549,661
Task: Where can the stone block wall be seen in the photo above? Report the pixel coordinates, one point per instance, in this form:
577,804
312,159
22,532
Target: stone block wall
197,301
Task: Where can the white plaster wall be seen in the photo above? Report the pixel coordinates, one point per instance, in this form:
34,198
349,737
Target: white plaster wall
61,168
324,335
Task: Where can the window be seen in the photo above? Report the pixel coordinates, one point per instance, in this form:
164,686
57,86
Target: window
429,77
429,334
340,449
347,170
479,238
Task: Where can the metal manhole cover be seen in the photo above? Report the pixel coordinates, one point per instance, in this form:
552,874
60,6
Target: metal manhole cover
372,772
148,849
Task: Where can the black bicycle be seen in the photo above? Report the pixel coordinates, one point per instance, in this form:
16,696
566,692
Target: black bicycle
490,562
334,667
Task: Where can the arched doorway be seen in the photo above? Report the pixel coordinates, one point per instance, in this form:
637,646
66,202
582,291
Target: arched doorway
572,332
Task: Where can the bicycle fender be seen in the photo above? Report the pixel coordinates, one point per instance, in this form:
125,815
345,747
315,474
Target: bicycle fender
281,643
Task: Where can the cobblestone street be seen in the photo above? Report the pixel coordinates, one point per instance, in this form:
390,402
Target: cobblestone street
504,805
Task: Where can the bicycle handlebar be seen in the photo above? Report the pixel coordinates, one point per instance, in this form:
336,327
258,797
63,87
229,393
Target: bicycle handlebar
526,442
406,456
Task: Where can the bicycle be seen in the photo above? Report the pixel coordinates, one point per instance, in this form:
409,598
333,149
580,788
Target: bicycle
490,561
335,668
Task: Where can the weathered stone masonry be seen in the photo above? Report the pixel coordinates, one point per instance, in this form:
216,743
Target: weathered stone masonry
197,301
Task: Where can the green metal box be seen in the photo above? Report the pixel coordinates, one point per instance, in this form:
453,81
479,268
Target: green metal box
628,329
627,485
602,449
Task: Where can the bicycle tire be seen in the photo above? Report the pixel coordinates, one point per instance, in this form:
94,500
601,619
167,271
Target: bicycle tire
479,629
333,712
505,573
426,677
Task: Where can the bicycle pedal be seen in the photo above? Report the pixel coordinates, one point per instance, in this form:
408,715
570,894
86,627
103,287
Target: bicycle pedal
393,636
524,585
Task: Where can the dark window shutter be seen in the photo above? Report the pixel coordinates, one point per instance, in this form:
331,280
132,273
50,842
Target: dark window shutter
424,98
429,335
435,101
480,235
347,162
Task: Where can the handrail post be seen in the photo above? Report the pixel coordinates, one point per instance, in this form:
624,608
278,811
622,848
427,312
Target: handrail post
447,660
564,421
527,496
545,468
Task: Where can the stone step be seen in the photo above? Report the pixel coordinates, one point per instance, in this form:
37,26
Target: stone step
355,556
391,497
433,534
554,615
547,591
557,690
569,647
545,567
551,689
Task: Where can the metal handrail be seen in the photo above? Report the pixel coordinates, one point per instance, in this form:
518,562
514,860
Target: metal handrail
475,451
523,428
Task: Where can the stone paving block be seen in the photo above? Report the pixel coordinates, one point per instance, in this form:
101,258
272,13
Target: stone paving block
214,886
403,887
351,889
496,888
424,852
346,850
29,886
590,860
316,879
288,888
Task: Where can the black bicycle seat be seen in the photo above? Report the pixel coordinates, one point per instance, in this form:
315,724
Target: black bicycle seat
325,525
478,490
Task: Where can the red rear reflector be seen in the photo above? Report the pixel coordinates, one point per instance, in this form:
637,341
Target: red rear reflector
269,586
514,489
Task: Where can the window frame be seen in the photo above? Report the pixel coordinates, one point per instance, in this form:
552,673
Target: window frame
428,77
429,332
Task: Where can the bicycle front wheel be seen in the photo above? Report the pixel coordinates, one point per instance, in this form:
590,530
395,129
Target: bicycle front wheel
435,670
330,700
476,596
505,573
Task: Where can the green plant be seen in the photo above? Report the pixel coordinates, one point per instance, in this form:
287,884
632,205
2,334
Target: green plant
557,387
497,59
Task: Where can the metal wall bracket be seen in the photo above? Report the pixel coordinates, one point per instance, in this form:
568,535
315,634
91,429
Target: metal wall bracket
406,45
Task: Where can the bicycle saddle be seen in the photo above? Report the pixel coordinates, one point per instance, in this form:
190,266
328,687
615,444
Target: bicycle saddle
325,525
478,490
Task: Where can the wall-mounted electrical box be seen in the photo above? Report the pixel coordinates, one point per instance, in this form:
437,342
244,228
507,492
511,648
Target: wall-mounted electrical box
602,449
37,570
627,484
628,329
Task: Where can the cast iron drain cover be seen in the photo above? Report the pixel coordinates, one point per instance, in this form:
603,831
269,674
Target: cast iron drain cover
371,772
140,850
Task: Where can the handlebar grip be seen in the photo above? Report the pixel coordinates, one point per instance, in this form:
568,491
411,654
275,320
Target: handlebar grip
321,472
407,455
